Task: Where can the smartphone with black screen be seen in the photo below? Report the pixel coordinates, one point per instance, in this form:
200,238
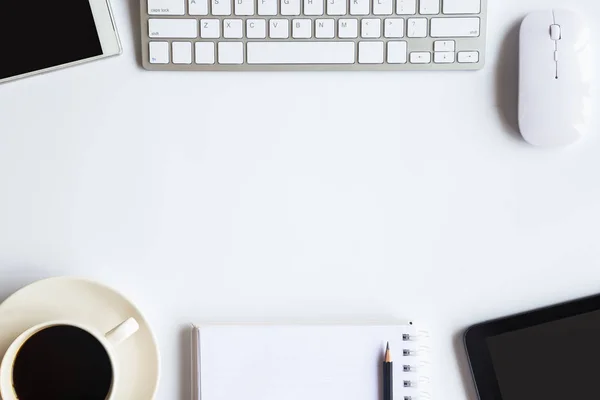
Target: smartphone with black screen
43,36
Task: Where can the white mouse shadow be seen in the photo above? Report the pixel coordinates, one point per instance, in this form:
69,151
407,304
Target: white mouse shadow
507,82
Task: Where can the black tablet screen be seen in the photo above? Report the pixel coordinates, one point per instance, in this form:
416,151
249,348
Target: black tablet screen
552,361
42,34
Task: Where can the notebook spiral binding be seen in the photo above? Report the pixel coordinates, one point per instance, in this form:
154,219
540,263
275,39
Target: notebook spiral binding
416,365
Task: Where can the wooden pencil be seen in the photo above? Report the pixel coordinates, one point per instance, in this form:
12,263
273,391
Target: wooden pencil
388,375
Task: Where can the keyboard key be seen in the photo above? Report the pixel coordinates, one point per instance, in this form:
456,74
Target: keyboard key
290,7
267,7
313,7
244,7
303,20
383,7
330,52
416,27
198,7
256,28
325,28
182,52
370,52
279,29
359,7
347,28
159,52
406,7
336,7
429,7
301,28
166,7
233,29
205,53
370,28
394,28
468,57
443,57
220,7
210,28
396,52
231,52
444,45
173,28
462,6
454,27
420,57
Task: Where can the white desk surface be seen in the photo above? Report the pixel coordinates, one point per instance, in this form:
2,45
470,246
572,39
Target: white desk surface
297,196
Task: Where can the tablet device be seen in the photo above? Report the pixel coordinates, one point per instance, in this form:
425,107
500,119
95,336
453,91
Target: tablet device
551,353
42,36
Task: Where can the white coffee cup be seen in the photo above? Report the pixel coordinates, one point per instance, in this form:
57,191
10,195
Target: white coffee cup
109,341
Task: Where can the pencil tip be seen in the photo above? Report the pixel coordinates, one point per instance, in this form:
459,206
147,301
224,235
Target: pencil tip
388,355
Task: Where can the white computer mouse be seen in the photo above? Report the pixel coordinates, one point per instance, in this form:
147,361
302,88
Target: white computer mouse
555,73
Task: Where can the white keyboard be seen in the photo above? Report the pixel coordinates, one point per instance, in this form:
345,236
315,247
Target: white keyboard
215,35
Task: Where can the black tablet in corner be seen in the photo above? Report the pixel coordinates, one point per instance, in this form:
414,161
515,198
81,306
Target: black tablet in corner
551,353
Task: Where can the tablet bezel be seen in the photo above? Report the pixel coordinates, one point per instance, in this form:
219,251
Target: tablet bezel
475,338
107,33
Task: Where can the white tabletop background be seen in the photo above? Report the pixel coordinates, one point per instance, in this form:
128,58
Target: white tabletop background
298,196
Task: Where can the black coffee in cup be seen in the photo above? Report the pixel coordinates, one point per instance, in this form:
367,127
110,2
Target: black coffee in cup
62,362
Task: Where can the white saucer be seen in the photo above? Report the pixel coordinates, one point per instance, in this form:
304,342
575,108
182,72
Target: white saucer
88,303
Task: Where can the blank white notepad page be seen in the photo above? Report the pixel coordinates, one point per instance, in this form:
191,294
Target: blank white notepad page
301,362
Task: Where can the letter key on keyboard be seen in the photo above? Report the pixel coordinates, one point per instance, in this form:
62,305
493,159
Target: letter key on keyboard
252,35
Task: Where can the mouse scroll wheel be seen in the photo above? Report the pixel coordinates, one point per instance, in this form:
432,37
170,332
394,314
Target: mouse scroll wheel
555,32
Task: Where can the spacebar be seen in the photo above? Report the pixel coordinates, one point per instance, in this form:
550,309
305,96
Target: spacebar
301,53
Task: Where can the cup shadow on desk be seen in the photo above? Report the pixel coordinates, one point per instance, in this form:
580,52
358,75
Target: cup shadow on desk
15,278
6,291
463,365
507,82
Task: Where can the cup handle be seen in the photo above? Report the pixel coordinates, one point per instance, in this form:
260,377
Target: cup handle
122,332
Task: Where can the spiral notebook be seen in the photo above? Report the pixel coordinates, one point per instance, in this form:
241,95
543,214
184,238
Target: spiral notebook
316,362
